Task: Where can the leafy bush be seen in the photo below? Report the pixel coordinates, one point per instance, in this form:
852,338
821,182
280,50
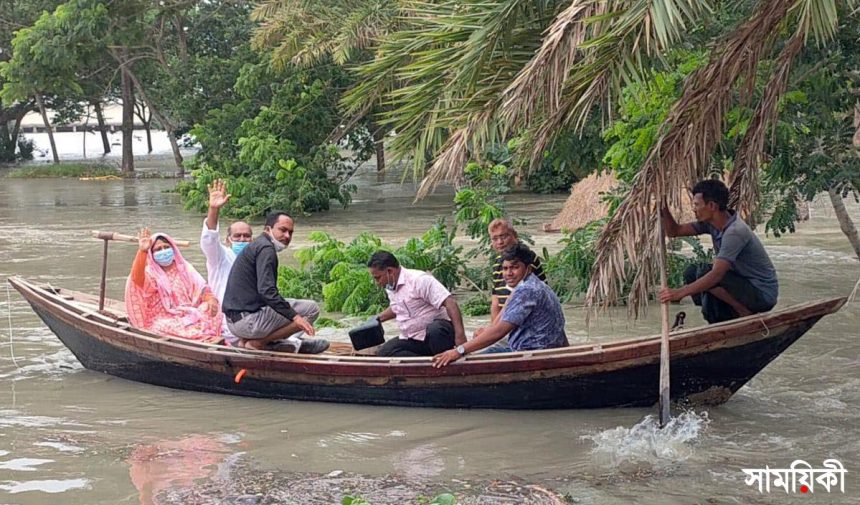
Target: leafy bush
480,201
25,149
476,305
337,273
569,271
270,145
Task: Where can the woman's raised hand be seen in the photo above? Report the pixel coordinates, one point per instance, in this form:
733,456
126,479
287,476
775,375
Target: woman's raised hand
144,239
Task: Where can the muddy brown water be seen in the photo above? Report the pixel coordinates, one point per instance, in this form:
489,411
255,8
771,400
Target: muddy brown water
68,435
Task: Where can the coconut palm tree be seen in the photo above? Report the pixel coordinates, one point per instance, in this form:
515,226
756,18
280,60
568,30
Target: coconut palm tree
460,76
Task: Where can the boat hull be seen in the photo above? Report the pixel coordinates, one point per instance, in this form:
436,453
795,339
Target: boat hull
711,376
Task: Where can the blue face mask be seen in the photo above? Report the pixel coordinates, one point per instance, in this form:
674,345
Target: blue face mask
238,247
164,257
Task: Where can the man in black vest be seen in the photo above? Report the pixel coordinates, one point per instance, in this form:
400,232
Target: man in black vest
255,310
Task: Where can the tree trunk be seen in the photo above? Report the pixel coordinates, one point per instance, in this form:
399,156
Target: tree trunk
7,145
165,123
182,38
177,156
379,144
102,127
16,130
140,110
148,127
127,123
50,130
845,221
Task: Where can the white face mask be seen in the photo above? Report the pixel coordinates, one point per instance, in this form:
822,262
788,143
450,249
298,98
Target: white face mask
279,246
390,285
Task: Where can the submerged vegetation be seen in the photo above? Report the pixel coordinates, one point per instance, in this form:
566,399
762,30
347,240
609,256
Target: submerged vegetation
65,170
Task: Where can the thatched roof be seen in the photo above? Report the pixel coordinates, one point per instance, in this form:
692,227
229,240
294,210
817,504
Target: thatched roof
585,204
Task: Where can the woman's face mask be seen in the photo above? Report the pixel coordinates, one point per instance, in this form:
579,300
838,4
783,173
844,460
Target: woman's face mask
164,257
238,247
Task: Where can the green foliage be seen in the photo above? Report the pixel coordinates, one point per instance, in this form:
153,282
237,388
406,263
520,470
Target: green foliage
436,253
325,322
643,110
353,500
336,272
569,271
813,150
64,170
572,157
270,145
480,201
298,283
677,262
442,499
476,305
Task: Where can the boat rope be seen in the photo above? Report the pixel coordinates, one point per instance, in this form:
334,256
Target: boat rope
766,332
9,315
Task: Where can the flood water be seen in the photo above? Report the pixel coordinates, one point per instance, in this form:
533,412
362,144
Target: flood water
71,436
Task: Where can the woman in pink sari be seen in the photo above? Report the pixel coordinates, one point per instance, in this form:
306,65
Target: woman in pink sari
165,294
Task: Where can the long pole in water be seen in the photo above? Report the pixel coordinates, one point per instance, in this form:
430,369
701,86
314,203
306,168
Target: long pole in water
104,276
665,415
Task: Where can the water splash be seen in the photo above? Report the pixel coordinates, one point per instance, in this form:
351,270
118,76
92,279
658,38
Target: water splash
645,443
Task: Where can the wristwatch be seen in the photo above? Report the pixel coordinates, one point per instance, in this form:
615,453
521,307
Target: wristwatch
461,350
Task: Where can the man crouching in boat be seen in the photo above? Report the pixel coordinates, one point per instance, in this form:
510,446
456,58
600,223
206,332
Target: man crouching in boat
742,280
427,313
532,317
220,259
255,310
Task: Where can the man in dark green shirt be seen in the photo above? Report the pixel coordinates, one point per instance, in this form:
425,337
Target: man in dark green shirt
503,236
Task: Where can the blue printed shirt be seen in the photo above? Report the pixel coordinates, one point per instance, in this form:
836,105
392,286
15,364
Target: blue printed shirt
536,312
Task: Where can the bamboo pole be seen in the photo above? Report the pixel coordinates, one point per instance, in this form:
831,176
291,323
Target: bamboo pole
119,237
665,415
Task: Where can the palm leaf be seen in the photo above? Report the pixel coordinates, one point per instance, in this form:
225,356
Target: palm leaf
680,156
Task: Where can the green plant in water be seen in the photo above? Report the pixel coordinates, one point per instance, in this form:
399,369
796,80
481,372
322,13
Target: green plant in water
480,201
569,271
65,170
476,305
336,272
353,500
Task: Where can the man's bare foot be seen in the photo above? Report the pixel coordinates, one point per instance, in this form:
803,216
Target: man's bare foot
253,344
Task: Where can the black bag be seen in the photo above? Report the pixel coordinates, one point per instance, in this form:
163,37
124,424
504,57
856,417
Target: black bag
367,334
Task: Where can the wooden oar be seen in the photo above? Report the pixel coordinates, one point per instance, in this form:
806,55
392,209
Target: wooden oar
119,237
665,415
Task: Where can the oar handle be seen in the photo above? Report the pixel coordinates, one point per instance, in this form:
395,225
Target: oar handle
119,237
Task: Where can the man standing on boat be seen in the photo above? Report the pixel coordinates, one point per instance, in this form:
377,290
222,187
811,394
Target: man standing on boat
532,319
256,312
742,280
427,313
503,236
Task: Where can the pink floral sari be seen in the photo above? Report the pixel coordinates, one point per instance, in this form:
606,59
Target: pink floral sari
169,302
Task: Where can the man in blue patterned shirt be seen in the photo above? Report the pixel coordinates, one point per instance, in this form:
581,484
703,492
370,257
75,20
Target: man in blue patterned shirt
532,318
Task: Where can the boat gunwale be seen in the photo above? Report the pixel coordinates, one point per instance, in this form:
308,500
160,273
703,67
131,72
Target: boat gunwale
609,354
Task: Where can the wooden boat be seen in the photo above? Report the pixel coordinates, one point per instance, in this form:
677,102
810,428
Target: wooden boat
709,364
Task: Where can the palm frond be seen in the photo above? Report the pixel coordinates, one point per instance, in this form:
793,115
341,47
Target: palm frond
621,41
744,186
451,62
680,156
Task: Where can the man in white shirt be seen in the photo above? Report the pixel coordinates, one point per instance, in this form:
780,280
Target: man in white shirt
220,258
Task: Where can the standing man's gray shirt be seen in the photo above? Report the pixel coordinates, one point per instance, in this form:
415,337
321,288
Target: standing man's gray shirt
738,245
